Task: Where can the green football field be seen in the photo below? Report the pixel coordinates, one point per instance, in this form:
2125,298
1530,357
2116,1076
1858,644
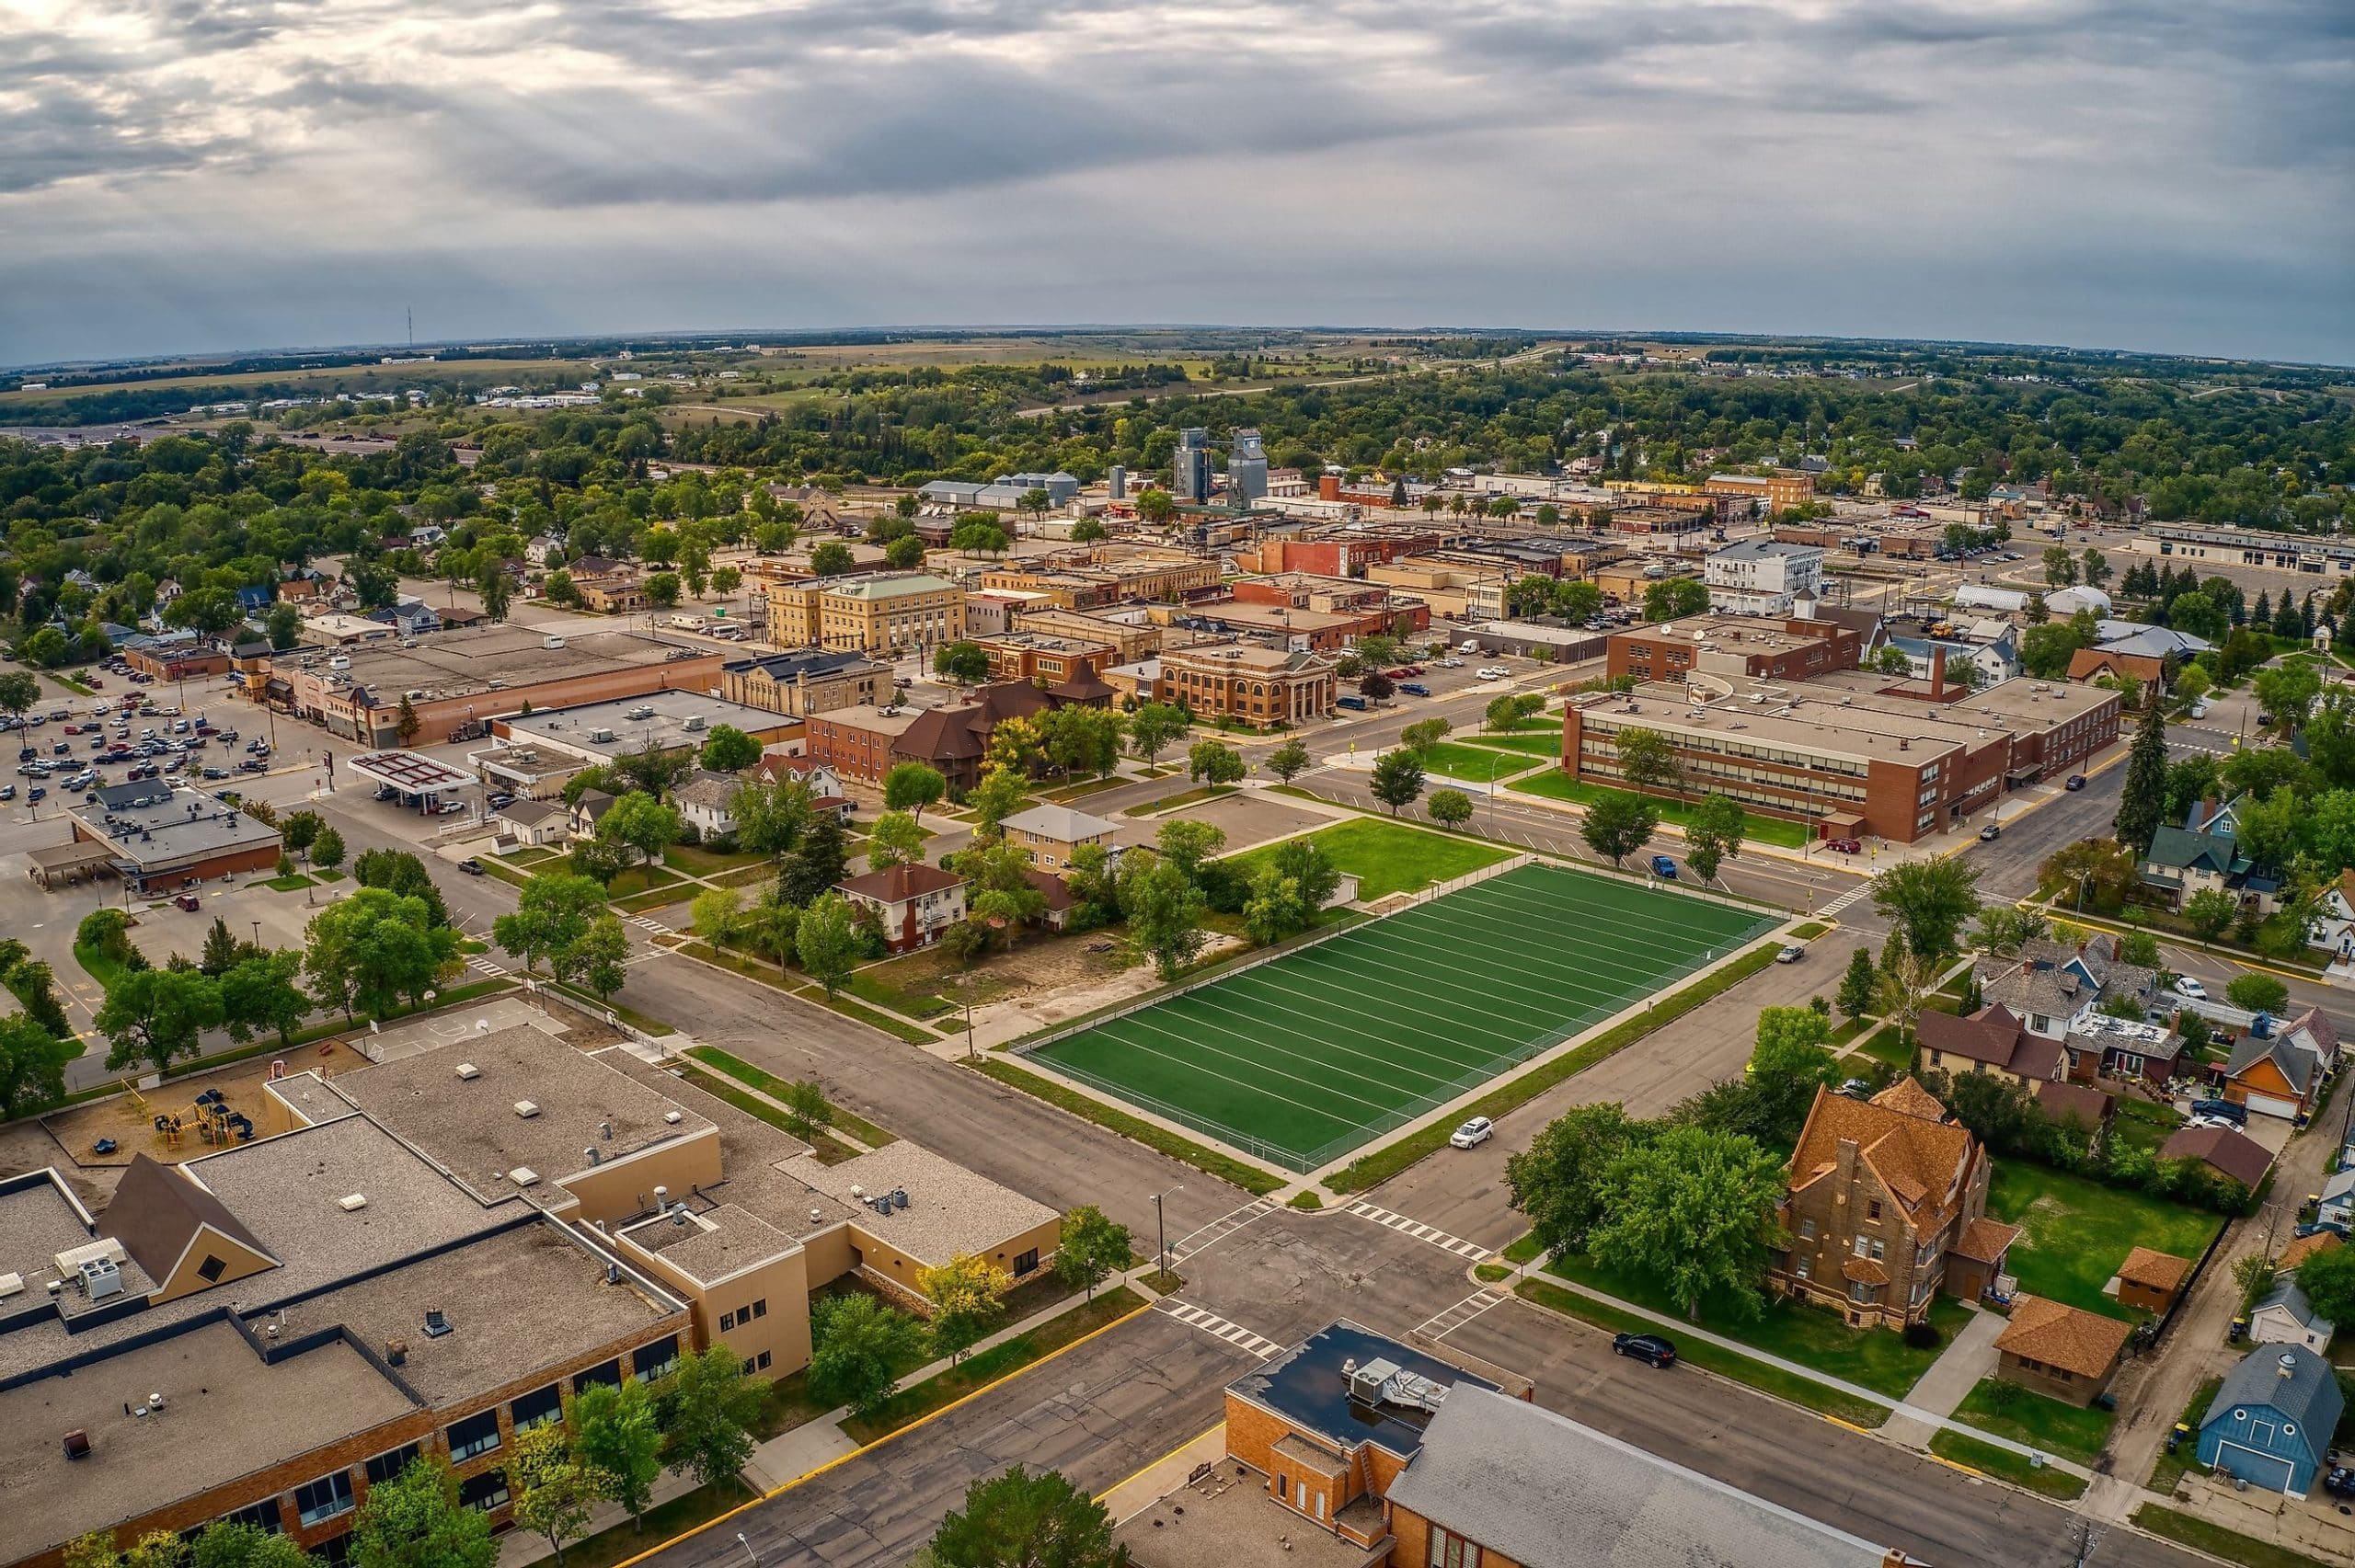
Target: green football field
1300,1060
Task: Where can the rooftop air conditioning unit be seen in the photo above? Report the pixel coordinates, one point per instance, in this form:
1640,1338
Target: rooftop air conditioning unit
523,1175
468,1070
673,1118
352,1203
526,1109
101,1278
551,642
601,736
694,721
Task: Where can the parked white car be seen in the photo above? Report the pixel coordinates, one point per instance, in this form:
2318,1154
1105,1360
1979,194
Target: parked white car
1478,1131
1492,673
2189,989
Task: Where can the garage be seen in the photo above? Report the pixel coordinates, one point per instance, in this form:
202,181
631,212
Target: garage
2270,1471
2272,1105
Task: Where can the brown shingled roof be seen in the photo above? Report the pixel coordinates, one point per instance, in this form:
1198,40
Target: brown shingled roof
1985,1241
1907,1096
2238,1156
2300,1247
2154,1270
156,1211
2084,1343
1919,1159
897,884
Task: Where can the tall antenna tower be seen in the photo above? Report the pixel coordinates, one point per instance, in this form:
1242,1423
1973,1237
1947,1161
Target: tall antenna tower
411,313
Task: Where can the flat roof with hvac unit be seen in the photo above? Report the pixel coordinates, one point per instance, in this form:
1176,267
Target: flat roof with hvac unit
410,772
154,830
599,732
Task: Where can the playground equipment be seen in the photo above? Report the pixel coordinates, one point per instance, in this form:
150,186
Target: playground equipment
209,1117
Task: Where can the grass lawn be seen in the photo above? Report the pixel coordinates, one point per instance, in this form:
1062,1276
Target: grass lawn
664,1520
100,968
696,861
1480,764
1545,746
1154,1136
1769,1379
1067,793
2006,1465
1556,786
2142,1125
641,879
1879,1359
984,1368
2026,1416
2170,1470
867,1132
2191,1530
2079,1232
289,883
1388,857
1183,797
1318,1052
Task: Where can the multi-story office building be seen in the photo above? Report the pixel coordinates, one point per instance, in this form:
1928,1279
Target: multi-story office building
805,682
1762,577
871,613
1258,686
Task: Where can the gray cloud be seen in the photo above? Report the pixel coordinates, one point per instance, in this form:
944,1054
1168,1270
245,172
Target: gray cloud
589,164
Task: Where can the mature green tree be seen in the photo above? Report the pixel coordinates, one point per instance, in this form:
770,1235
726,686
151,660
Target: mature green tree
859,1345
730,750
1858,982
617,1435
259,991
33,985
1931,899
1618,825
1560,1179
1693,1212
771,817
999,898
1213,761
1087,531
1016,1520
552,1489
912,786
1790,1061
2329,1279
652,770
1449,807
894,840
828,942
640,824
19,694
1713,834
1304,862
1398,779
327,850
904,553
708,1409
1186,844
715,912
551,914
32,1065
1674,599
2257,993
966,664
600,959
415,1520
1091,1249
2143,796
1289,761
300,830
225,1545
2004,929
2209,912
373,950
156,1016
817,861
967,1296
1164,911
1648,759
2139,948
1423,733
1153,725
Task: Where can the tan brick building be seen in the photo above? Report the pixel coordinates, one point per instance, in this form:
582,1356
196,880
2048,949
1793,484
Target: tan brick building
805,682
872,613
1887,1207
1258,686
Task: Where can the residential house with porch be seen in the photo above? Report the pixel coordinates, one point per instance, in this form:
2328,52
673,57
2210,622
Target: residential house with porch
1991,1041
2204,852
915,902
1887,1206
707,801
1050,835
2276,1074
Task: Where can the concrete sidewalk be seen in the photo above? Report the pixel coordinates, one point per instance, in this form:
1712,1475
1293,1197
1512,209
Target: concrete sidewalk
1968,1357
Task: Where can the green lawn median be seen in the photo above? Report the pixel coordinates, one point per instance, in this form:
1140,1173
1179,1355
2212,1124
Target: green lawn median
984,1368
1250,1178
1803,1391
2005,1465
2190,1529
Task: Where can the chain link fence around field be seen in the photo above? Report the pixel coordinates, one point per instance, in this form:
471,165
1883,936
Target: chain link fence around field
1305,1161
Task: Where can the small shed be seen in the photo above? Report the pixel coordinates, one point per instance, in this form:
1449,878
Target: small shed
2284,1316
2151,1280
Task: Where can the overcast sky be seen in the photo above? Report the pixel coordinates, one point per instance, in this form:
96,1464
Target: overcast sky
188,175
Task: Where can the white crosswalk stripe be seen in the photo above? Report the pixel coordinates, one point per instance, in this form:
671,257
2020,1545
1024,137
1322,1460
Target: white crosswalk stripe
1219,1230
1440,1324
1860,890
647,922
1421,1231
482,965
1212,1323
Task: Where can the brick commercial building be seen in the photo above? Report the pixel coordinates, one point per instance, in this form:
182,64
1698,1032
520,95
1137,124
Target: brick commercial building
1045,660
157,839
1851,752
1130,639
805,682
1258,686
1771,492
1354,1451
1377,610
1104,574
1887,1206
862,744
457,682
870,613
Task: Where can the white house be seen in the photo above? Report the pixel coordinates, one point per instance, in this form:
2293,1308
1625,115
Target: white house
534,821
705,800
1762,577
2285,1317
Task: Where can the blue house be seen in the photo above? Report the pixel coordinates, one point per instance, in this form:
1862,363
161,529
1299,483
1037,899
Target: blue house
2272,1421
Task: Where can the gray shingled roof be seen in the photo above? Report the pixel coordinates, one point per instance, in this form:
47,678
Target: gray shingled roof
2297,1063
1548,1493
2309,1395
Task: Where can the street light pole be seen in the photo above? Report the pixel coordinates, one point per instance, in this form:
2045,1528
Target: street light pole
749,1552
1161,1231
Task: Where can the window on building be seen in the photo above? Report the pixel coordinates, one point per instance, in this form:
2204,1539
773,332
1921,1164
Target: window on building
486,1492
1025,1263
538,1408
727,1321
211,1269
475,1434
760,1308
1807,1229
262,1515
323,1498
1449,1550
609,1374
383,1467
335,1551
763,1359
1872,1209
1806,1266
